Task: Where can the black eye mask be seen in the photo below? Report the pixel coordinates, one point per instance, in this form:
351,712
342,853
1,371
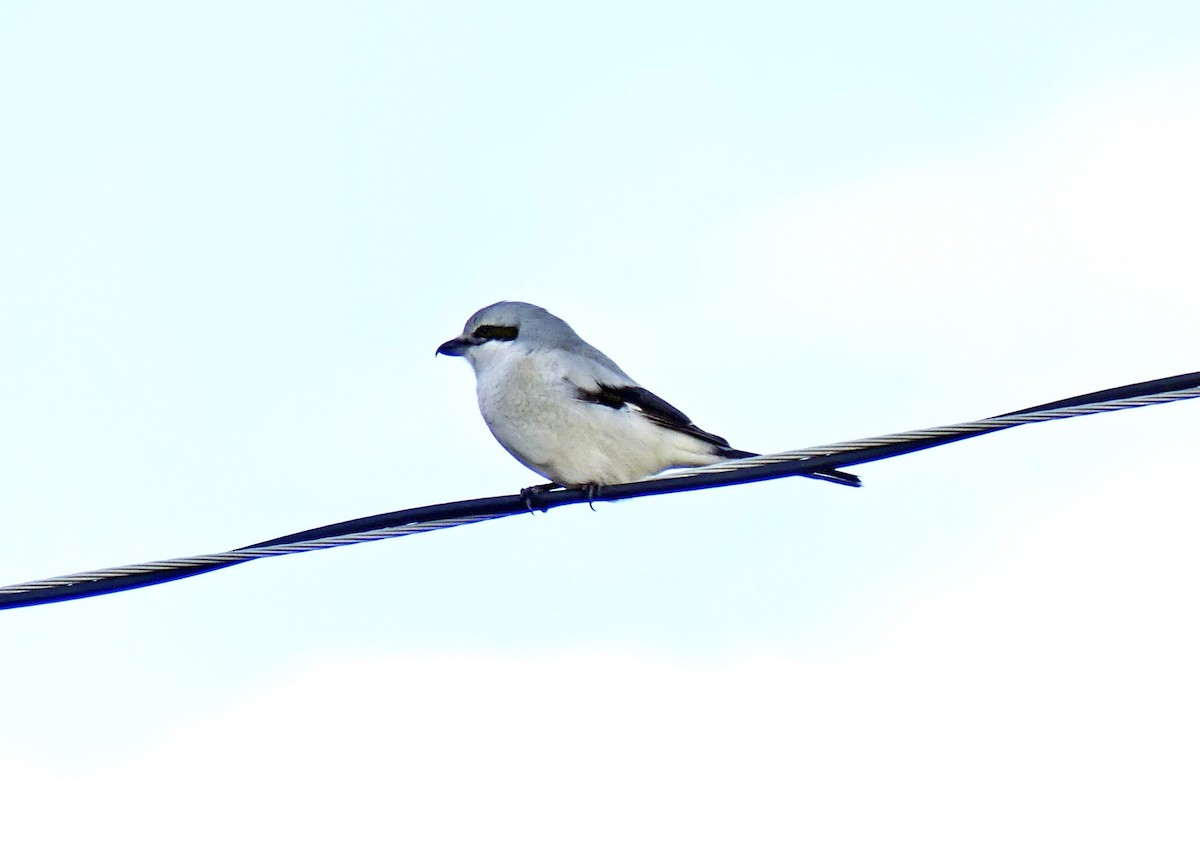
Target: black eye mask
488,332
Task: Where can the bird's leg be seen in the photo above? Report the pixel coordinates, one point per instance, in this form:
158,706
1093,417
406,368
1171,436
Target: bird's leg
529,495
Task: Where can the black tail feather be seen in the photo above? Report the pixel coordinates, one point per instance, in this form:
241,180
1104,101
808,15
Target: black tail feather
834,475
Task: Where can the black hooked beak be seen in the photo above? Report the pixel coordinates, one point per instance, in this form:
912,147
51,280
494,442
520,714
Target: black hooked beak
458,346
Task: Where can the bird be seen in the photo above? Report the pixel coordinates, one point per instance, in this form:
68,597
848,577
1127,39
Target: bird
569,413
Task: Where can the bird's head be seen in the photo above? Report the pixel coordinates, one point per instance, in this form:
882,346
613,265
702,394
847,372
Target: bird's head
498,327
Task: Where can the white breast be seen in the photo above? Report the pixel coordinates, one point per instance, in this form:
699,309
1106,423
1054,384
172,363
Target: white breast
533,411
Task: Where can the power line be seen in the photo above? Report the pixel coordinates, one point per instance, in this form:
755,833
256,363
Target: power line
445,515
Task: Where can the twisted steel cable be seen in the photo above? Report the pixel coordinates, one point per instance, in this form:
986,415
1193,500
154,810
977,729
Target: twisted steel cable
429,518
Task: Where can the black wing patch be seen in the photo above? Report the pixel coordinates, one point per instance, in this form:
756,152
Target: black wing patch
662,413
651,406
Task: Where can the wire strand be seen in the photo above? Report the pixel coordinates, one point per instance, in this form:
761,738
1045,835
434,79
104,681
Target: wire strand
413,521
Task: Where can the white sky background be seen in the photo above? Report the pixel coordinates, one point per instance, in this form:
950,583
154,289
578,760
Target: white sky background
233,235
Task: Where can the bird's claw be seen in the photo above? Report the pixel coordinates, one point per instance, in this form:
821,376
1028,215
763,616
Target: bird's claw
591,489
530,495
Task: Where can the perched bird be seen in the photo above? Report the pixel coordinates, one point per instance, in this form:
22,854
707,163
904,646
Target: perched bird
566,411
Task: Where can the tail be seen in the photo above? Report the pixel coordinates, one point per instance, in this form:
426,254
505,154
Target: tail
834,475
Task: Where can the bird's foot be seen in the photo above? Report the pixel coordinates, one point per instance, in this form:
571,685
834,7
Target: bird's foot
529,495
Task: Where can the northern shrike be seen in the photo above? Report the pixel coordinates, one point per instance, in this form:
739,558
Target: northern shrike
566,411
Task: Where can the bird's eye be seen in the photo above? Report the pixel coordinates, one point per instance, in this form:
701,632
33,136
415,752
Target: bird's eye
495,333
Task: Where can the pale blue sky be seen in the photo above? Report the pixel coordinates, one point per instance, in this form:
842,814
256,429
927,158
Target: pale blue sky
231,236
